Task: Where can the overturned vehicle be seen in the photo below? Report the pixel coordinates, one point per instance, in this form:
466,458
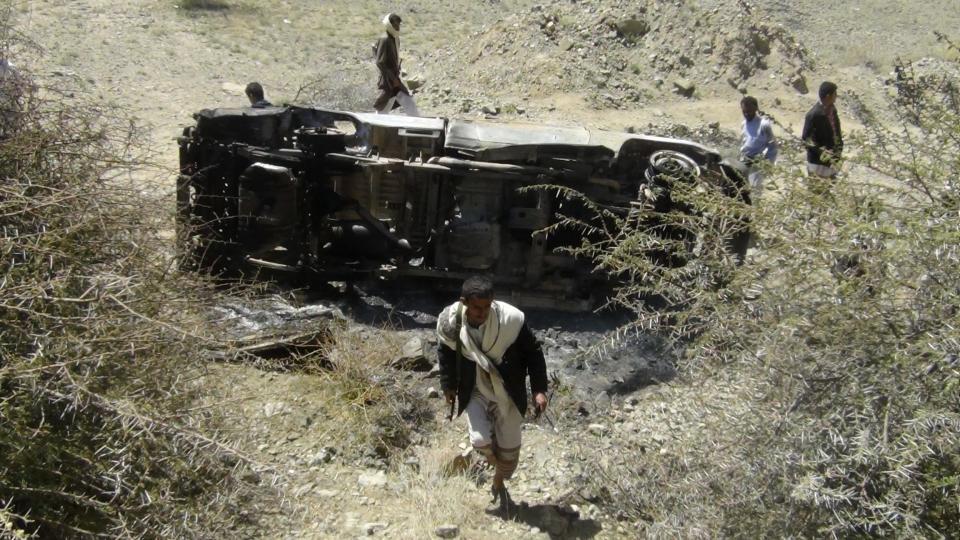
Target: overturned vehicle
342,196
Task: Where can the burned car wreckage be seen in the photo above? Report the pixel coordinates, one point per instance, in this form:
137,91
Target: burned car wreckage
348,196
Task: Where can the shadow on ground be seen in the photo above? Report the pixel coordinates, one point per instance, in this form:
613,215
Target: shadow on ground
558,521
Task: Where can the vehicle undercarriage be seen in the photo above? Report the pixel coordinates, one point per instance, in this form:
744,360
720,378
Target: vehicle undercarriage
343,196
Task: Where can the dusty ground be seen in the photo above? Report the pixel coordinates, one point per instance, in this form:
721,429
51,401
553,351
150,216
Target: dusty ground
558,62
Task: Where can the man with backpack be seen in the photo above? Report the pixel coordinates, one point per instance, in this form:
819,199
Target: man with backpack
392,89
486,352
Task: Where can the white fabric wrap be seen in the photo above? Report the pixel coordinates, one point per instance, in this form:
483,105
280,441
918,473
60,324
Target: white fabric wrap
497,334
390,29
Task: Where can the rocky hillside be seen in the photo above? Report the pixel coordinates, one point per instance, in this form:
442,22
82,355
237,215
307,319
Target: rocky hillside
675,67
618,55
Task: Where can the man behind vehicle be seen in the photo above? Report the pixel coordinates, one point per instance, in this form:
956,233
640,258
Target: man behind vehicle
758,143
485,352
254,92
822,133
392,89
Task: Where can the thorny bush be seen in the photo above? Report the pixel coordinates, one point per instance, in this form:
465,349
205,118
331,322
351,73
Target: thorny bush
98,430
838,340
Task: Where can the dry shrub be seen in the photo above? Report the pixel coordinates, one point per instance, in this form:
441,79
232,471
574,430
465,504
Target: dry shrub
353,88
373,409
826,369
96,371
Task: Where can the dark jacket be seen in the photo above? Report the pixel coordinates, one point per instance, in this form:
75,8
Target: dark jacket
818,134
261,104
388,62
522,358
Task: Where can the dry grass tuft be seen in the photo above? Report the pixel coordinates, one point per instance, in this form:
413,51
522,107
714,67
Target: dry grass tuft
372,409
431,496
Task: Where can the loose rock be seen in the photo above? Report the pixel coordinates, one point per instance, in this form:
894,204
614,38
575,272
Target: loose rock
598,429
324,455
233,88
274,408
413,83
684,87
372,479
602,401
373,528
632,28
447,531
799,83
412,356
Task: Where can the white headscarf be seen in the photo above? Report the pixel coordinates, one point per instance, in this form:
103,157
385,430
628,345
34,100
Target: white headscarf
497,334
390,29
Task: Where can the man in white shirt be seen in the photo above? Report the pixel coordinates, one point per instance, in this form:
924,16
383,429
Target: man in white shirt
758,143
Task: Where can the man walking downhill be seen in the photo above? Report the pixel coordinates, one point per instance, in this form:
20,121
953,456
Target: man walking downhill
486,351
758,143
822,134
392,89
